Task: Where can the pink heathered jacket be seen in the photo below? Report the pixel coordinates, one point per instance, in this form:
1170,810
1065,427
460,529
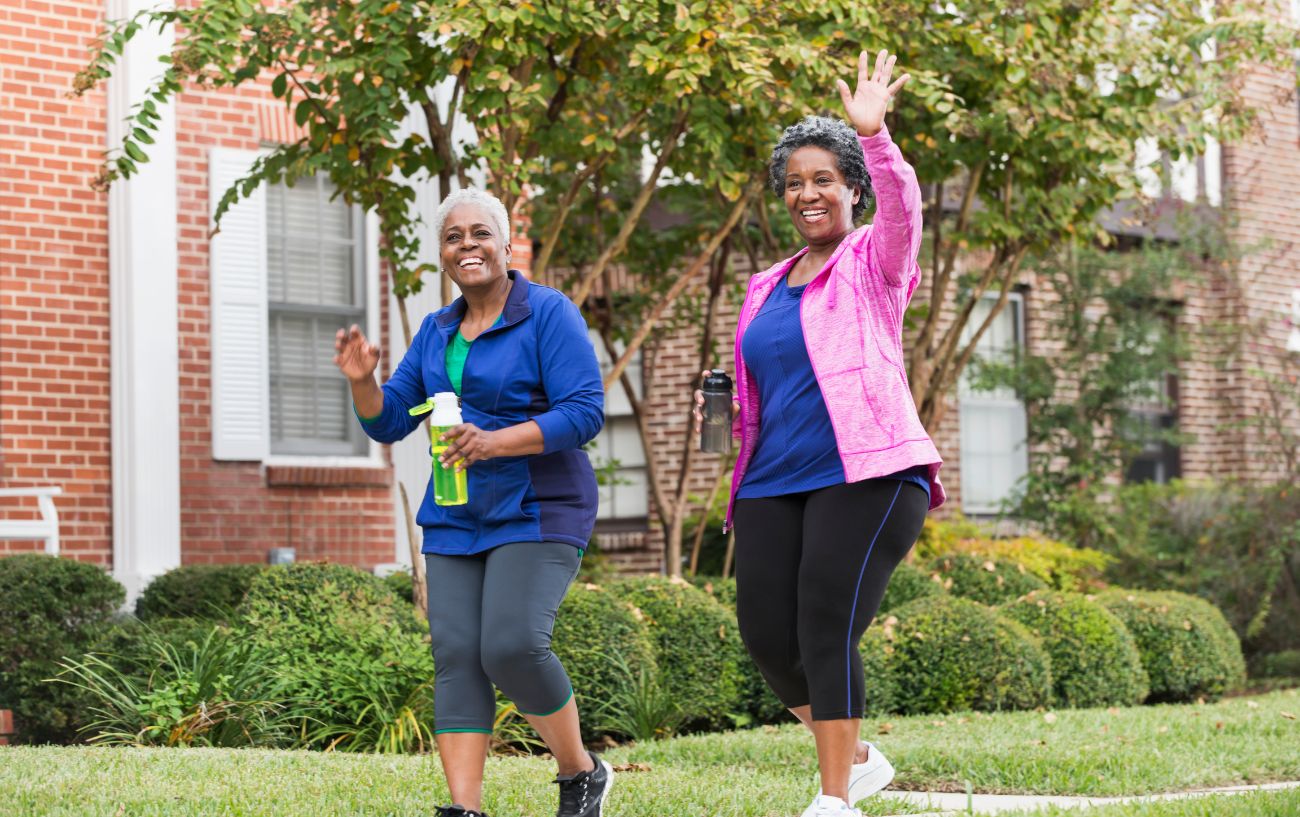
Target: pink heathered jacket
852,315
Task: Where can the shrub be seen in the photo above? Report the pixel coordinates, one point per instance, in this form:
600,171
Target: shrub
1285,664
1187,647
50,608
197,591
757,698
604,644
984,579
355,657
908,583
696,644
402,585
1229,543
1095,661
877,651
1060,565
951,653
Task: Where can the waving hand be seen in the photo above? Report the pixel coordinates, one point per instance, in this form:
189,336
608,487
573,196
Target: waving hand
866,106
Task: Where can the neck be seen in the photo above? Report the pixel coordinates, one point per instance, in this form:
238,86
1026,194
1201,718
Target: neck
486,301
824,247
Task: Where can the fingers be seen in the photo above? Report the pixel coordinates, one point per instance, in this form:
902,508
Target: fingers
864,69
881,58
898,84
888,70
846,96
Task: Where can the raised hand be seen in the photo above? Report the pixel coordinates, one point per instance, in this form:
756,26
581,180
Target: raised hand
866,106
355,356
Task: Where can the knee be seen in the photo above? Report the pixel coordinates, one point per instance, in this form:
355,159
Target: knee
509,653
452,650
771,651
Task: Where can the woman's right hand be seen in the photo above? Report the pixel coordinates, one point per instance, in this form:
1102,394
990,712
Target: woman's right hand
697,411
355,356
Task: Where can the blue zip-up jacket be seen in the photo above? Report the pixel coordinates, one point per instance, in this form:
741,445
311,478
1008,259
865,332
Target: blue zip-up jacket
536,364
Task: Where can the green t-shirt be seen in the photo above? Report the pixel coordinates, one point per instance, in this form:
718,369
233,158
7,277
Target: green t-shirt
457,351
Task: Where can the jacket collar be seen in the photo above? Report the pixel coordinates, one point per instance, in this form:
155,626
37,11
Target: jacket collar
516,309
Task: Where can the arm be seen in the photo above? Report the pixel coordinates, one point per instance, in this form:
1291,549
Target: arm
894,244
382,411
894,241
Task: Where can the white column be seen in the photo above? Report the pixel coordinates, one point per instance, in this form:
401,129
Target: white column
143,313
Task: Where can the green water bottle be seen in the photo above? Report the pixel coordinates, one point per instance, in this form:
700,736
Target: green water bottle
450,487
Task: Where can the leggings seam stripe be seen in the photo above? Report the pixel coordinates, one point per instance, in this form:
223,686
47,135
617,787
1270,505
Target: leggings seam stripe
848,638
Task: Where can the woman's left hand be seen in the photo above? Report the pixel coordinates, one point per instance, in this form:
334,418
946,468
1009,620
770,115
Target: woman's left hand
867,105
468,444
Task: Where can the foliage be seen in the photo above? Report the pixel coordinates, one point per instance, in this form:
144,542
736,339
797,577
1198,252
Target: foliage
952,654
1284,664
1187,647
1095,395
986,580
213,691
641,707
1235,544
598,633
50,608
197,591
880,686
1095,661
759,701
1062,566
908,583
697,645
402,585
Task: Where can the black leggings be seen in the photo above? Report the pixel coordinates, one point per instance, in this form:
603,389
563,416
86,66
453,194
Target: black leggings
811,569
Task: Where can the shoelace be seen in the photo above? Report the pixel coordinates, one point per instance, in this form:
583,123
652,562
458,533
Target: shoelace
573,793
455,811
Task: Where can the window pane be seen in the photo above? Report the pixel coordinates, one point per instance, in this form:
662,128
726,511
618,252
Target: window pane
624,496
993,453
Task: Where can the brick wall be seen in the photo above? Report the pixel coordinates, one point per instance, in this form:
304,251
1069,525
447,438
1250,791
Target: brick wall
54,342
236,511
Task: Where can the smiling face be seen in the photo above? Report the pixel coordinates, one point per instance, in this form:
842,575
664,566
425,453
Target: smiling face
818,199
472,251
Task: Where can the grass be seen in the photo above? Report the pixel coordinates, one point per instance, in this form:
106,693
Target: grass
766,772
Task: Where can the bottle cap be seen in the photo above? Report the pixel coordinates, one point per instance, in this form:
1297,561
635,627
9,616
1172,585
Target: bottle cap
717,380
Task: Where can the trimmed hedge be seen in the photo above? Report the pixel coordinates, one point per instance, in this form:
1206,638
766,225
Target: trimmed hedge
1095,661
210,592
952,653
881,688
697,647
592,625
985,579
908,584
305,601
50,608
1187,646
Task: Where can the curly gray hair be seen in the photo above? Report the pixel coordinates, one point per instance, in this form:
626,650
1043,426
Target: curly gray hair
827,133
472,195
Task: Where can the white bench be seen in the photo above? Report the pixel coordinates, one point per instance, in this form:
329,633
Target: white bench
47,527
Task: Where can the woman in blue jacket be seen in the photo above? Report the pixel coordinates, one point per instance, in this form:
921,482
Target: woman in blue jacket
498,566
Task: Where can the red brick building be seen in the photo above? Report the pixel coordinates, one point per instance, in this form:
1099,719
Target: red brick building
178,388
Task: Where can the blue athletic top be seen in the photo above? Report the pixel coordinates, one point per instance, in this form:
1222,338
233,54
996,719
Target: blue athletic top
796,448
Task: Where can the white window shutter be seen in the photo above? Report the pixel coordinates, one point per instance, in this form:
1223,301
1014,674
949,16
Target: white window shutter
240,419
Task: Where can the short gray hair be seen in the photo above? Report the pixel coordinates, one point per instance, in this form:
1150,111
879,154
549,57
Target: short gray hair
827,133
472,195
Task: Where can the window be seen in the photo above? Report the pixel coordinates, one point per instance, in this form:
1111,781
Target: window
994,449
315,285
617,452
1159,460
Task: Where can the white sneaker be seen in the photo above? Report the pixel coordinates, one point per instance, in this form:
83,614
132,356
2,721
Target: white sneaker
823,805
865,779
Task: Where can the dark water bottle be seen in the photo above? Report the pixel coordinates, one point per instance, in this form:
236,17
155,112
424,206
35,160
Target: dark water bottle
715,435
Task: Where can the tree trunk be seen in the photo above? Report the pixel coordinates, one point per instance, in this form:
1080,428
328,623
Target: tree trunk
419,589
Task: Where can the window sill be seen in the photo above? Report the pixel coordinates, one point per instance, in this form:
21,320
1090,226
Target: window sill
325,475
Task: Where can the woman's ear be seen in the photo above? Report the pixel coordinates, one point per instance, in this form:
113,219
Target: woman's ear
857,194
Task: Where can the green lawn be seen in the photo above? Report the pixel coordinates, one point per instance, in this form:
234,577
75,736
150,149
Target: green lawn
765,772
1254,804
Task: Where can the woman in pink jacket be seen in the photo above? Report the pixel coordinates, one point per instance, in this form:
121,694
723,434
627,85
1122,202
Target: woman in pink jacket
835,473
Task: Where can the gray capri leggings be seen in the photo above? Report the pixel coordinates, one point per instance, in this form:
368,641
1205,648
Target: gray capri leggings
490,619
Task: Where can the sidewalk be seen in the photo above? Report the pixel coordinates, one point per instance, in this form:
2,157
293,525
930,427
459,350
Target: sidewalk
951,803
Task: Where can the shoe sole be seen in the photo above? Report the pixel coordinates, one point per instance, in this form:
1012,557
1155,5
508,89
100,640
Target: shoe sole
609,784
870,783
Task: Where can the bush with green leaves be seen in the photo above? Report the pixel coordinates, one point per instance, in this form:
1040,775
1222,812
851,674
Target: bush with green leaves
1284,664
951,653
212,691
908,583
696,643
197,591
604,644
402,584
757,698
1095,661
1187,646
50,608
881,689
984,579
356,656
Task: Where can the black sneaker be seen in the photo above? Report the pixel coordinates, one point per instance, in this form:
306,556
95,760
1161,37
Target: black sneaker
584,794
455,811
